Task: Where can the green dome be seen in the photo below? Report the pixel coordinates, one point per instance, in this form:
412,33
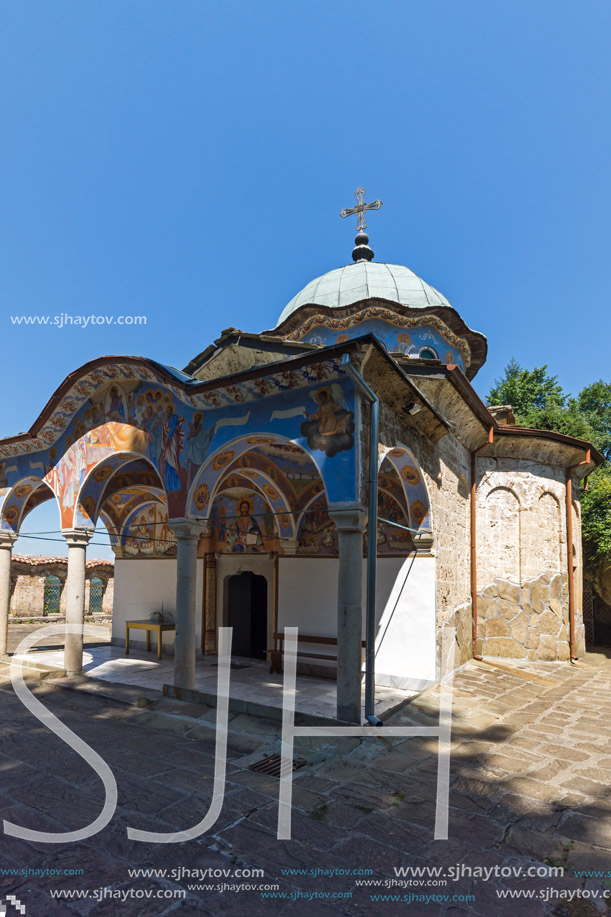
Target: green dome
366,280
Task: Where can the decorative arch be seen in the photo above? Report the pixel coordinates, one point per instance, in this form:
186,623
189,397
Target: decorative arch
502,519
18,502
269,491
112,440
402,461
548,536
204,487
111,528
104,477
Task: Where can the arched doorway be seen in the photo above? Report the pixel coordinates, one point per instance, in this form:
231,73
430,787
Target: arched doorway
52,595
96,596
247,614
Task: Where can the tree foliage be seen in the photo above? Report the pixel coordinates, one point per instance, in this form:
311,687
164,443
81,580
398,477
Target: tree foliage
539,401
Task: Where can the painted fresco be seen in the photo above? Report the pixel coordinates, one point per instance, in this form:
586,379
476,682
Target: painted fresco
330,427
420,336
317,534
243,522
107,422
326,449
392,540
400,464
148,534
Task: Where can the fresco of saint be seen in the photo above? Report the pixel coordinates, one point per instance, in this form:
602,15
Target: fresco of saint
197,446
330,427
243,534
115,410
172,439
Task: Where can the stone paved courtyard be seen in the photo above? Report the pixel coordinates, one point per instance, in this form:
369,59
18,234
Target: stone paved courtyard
530,768
252,689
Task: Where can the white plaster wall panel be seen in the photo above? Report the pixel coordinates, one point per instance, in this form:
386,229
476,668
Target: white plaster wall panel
405,612
405,644
141,586
307,595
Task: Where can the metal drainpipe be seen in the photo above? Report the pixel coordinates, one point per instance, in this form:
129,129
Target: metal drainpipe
474,557
473,526
569,552
372,539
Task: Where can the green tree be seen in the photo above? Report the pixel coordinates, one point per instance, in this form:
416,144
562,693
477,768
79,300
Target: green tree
539,401
526,390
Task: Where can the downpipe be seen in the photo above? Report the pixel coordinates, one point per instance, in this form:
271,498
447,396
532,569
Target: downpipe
372,538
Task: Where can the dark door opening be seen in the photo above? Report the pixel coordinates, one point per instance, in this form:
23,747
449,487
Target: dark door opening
247,614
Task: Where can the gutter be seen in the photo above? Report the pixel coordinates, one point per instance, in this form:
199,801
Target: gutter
372,538
569,551
473,525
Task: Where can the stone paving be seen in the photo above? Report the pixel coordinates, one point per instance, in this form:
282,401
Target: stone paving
17,632
251,682
530,768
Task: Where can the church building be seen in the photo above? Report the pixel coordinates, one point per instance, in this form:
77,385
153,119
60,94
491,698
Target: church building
337,473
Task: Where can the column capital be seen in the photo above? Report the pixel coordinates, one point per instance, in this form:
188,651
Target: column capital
185,530
349,520
8,539
423,542
77,537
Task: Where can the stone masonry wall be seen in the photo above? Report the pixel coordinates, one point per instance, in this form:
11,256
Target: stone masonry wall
522,560
525,622
28,575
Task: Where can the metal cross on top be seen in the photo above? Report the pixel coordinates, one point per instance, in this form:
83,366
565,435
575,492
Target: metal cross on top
361,208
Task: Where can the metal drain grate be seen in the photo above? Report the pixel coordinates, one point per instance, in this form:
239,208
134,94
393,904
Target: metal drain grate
270,765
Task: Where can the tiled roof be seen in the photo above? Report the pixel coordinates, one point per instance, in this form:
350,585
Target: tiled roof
41,559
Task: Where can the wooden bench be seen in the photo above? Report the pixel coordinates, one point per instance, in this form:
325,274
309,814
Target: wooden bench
148,626
277,651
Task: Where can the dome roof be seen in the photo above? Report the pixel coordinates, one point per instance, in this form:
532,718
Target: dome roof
366,280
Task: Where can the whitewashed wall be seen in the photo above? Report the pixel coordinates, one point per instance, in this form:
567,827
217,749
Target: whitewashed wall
140,588
405,606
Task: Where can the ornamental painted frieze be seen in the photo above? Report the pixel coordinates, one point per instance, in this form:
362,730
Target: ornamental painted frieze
335,326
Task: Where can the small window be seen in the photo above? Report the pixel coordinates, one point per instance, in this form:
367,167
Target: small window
96,594
427,353
52,595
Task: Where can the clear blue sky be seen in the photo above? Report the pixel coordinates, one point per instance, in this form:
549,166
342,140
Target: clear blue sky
187,161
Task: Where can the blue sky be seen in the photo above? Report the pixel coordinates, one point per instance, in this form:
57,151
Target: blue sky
187,160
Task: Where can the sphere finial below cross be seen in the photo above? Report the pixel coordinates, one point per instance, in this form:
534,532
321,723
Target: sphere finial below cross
361,250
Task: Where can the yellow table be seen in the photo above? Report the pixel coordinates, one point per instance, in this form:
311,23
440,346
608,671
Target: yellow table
148,626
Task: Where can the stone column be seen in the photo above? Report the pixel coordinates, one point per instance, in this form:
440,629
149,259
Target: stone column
7,540
350,527
187,537
75,599
210,603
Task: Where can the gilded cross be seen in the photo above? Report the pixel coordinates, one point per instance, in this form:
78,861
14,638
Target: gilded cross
360,209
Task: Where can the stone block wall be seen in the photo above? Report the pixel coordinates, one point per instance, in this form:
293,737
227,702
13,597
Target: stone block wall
28,575
529,622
